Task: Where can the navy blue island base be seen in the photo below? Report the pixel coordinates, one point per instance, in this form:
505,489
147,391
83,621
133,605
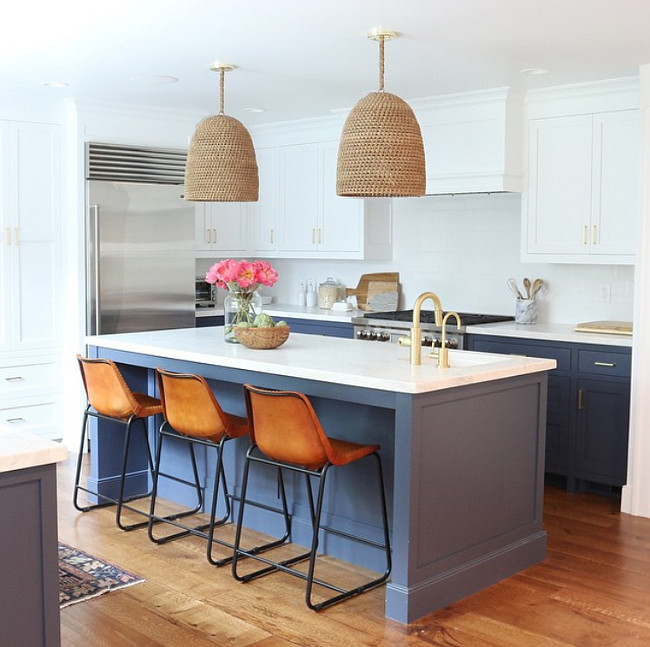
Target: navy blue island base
464,464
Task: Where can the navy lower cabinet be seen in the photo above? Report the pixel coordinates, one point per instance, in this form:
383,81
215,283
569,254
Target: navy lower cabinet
204,322
319,327
587,411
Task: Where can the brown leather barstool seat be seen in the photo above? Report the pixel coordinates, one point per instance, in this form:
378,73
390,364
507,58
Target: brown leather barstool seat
192,414
286,433
110,398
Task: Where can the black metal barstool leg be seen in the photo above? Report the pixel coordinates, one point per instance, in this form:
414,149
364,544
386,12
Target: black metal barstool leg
154,490
316,528
219,477
240,520
77,478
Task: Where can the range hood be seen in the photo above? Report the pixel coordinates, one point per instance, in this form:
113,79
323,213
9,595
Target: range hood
473,141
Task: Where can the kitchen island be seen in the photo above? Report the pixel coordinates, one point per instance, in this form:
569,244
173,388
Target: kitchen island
29,612
463,449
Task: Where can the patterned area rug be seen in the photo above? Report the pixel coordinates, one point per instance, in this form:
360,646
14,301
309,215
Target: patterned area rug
82,576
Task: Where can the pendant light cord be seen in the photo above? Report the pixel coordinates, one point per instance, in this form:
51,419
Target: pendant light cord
381,63
222,74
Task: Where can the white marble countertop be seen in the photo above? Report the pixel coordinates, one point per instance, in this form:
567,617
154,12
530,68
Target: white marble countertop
20,450
327,359
281,310
549,332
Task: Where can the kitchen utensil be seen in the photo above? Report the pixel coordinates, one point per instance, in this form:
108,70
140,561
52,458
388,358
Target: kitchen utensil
512,284
371,285
537,286
527,287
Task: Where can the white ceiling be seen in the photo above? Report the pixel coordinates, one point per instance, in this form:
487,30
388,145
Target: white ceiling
307,58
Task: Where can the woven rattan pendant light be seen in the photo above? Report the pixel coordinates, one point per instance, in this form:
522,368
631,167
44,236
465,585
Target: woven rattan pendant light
381,153
221,164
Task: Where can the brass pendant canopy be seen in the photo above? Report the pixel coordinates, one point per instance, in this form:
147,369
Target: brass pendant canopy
381,153
221,163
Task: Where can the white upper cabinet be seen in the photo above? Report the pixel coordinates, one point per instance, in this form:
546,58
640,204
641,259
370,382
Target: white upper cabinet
582,188
299,214
583,175
30,248
265,214
221,227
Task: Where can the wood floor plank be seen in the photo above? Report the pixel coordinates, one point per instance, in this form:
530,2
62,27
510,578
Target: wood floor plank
592,590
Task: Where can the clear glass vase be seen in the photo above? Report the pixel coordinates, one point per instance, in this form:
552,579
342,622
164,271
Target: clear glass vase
240,307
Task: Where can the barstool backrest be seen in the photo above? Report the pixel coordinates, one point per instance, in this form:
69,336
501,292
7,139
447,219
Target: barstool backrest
189,405
286,428
106,390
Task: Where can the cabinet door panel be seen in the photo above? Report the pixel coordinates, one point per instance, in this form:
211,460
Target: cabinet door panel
5,238
602,432
299,197
559,198
264,219
202,233
341,218
616,147
558,424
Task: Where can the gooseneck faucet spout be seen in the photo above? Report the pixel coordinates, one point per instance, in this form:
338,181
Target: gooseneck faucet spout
416,347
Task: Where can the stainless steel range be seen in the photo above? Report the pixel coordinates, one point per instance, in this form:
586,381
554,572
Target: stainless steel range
390,326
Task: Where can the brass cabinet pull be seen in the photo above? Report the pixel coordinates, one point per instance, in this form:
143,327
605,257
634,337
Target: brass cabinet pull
607,364
8,236
272,236
16,240
313,236
320,235
594,235
208,238
580,400
214,235
585,230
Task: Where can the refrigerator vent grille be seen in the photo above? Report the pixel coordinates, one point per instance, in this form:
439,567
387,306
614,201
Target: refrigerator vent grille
135,164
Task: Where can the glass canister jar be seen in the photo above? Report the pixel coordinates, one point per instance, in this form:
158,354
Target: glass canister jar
328,293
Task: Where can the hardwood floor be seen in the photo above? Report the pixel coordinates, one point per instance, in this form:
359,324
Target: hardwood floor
593,590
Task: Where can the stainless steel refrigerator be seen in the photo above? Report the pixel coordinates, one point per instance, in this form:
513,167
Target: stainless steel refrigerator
140,241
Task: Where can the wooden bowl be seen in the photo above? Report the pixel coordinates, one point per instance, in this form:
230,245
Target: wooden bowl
262,338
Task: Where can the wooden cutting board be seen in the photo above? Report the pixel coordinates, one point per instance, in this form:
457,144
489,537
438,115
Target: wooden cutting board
371,287
607,327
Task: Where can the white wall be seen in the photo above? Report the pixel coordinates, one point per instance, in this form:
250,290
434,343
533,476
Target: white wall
464,247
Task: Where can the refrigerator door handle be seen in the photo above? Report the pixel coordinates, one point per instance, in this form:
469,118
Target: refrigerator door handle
94,210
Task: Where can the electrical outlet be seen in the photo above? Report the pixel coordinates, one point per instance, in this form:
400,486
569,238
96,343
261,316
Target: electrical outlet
605,292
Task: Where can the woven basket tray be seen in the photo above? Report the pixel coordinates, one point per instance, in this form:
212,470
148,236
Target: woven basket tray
262,338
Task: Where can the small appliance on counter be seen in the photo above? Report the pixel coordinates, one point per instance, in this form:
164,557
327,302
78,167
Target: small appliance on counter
204,296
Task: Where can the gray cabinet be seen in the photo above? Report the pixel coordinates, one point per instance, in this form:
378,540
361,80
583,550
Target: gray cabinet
587,408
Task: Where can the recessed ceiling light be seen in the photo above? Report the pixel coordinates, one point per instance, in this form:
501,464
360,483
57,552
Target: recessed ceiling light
55,84
154,79
534,70
256,110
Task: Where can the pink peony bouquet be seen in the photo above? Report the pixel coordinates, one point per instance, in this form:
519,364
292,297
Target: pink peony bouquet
241,276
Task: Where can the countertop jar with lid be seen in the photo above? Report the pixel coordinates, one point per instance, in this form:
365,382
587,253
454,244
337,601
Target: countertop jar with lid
328,293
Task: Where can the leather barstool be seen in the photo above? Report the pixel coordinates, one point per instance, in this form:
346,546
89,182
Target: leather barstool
193,415
286,433
110,398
